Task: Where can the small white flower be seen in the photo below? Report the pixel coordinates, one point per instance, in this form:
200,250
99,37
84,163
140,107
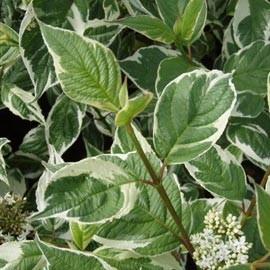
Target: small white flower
221,243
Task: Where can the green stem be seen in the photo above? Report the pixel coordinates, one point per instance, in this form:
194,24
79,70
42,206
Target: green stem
260,265
144,158
262,259
167,202
252,204
189,53
157,183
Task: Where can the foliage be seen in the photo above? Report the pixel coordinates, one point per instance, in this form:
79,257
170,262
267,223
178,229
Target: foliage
166,107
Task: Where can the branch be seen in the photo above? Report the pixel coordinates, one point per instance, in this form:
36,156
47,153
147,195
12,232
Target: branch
157,183
252,204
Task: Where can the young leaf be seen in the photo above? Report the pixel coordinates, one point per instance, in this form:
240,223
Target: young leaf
250,62
263,206
88,71
252,139
21,103
151,27
82,234
148,229
133,107
171,68
220,173
191,24
142,67
64,123
251,21
3,173
170,10
191,114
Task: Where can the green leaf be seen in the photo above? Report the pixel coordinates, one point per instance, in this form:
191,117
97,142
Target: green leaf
103,258
71,14
142,67
248,105
252,139
268,91
191,24
217,8
151,27
111,9
171,68
191,114
54,164
133,107
236,152
93,140
85,192
34,143
103,32
66,259
8,55
123,144
21,103
263,206
267,186
3,173
170,10
251,232
251,21
128,260
250,67
18,75
2,263
240,267
88,71
22,256
141,7
220,173
63,125
82,234
8,37
35,55
194,213
229,45
149,228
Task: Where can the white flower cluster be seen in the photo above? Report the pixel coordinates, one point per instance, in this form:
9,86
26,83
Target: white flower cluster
9,199
221,244
14,224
